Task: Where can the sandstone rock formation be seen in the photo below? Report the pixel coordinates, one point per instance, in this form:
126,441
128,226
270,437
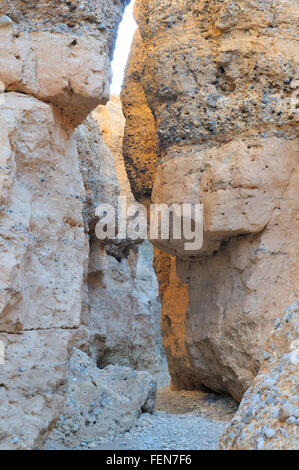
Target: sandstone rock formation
219,81
112,122
140,144
101,403
43,249
53,76
60,51
121,309
268,416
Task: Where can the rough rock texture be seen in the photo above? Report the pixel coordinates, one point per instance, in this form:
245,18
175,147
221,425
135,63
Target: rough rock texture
140,144
121,309
268,417
98,171
112,122
124,317
101,403
43,248
41,219
60,51
33,384
220,80
53,79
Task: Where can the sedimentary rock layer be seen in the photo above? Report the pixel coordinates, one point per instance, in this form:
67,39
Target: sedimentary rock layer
121,309
268,416
220,80
53,74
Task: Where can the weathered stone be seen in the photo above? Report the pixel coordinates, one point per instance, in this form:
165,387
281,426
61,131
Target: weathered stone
285,412
140,141
111,122
280,430
223,98
58,56
44,249
121,310
101,403
43,242
33,384
124,311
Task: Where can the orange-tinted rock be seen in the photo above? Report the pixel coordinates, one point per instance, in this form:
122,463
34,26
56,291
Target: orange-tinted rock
140,142
220,81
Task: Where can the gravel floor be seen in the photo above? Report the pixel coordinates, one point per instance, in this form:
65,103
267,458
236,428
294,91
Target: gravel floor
186,420
164,431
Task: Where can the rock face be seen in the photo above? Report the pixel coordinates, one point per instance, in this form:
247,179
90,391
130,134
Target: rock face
140,144
101,403
124,318
111,122
222,92
53,77
43,249
60,51
121,309
268,416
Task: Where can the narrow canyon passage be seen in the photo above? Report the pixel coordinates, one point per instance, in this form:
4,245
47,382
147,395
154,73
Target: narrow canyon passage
181,421
187,420
110,338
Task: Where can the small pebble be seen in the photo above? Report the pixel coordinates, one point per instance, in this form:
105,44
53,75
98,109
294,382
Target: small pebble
285,412
260,443
5,21
269,432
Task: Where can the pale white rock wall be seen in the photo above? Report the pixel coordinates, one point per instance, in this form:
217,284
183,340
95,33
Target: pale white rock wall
55,69
43,248
121,309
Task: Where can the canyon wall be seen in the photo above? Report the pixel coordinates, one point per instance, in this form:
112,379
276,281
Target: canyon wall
213,87
55,69
268,416
121,312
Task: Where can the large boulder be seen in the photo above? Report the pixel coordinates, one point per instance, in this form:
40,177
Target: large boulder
101,403
268,417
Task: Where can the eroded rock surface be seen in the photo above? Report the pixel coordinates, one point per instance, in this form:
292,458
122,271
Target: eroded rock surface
53,75
268,417
140,144
223,92
111,122
101,403
60,51
43,248
121,309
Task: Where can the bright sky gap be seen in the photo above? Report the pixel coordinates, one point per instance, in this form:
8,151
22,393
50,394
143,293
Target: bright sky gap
122,49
